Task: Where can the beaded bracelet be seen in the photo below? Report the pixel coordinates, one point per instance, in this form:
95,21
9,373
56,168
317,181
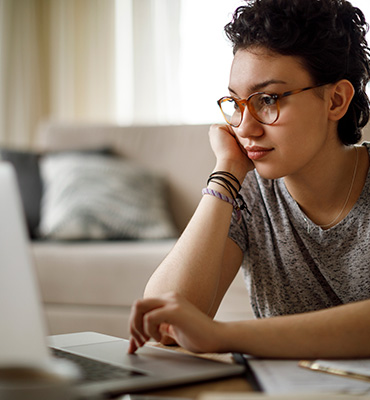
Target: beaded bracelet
227,199
219,196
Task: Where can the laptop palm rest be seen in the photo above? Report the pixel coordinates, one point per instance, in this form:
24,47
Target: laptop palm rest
150,360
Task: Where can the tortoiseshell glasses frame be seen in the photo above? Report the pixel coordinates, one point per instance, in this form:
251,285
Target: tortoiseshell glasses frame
263,106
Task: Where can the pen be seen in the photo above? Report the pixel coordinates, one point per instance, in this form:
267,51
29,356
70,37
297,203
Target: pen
321,367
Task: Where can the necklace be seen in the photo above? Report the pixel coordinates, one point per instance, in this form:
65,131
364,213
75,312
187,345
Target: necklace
348,195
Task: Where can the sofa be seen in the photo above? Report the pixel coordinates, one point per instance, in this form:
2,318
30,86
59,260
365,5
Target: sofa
89,283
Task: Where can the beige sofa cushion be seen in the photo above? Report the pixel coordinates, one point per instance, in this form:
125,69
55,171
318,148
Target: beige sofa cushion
109,273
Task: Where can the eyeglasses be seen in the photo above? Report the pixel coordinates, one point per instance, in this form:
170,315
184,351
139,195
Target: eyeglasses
264,107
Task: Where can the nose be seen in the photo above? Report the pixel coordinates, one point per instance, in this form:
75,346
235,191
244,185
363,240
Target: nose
249,126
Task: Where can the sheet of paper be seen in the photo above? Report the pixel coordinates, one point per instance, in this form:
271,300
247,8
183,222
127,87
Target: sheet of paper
285,376
255,396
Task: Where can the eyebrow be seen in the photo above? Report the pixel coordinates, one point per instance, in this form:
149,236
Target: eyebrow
259,86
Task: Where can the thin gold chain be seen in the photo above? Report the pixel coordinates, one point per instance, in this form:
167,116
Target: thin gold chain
348,196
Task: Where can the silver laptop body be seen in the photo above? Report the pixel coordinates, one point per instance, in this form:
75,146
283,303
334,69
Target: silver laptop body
23,332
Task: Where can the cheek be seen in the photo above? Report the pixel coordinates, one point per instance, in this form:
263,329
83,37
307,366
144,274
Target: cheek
294,148
304,125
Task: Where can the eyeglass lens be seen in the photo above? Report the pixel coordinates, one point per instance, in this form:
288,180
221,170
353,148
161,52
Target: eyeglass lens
262,106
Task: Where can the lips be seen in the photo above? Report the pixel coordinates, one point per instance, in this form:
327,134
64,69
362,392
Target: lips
257,152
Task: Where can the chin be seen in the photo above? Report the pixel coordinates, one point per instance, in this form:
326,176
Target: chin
270,172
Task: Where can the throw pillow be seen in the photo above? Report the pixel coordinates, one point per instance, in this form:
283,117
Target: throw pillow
92,196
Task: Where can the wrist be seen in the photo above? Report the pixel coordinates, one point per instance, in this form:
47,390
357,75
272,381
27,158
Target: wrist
225,337
231,185
236,169
215,186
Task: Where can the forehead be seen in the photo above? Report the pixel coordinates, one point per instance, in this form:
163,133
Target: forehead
253,69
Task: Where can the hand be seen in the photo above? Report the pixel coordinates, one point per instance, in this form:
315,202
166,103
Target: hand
229,151
171,315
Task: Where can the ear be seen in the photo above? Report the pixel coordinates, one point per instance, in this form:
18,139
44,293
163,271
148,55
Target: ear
341,95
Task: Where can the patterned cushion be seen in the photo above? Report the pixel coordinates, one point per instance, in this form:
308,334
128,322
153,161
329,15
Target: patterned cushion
94,196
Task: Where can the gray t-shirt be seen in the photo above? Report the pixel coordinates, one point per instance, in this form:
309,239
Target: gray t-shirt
290,264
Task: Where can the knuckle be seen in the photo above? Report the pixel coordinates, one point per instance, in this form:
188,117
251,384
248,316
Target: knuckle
148,320
137,304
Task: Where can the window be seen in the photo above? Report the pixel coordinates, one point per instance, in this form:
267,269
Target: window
205,58
187,60
183,76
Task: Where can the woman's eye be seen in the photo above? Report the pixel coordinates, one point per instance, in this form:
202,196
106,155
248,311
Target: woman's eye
267,100
236,106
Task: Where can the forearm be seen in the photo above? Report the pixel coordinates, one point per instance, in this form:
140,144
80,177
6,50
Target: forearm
339,332
202,264
193,267
200,260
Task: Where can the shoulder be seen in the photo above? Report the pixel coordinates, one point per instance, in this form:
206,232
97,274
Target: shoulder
367,146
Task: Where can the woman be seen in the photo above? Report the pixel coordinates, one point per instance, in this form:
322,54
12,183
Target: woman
300,223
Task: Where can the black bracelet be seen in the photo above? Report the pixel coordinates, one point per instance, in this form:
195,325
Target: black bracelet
228,175
225,183
223,178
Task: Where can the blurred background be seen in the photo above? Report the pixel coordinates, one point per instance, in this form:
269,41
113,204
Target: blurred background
132,62
120,61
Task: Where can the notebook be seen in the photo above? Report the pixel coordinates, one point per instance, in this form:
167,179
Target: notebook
23,335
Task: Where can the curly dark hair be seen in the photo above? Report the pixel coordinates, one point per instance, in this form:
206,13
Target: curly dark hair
328,35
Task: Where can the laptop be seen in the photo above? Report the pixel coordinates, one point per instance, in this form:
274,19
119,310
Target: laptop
23,334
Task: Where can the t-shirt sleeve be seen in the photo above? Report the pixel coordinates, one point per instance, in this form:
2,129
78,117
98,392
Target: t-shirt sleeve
238,232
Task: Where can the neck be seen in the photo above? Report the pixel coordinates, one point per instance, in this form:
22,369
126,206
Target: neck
324,190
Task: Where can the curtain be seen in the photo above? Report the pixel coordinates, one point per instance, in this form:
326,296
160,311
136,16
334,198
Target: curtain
82,59
59,61
150,52
23,87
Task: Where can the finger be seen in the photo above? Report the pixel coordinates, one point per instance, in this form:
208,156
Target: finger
164,329
168,334
140,338
232,133
159,319
152,328
138,311
133,346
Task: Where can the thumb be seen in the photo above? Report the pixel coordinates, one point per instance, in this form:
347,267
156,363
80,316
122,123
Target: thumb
168,334
165,328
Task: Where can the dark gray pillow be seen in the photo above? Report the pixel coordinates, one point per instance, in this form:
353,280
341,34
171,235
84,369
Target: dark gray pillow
28,174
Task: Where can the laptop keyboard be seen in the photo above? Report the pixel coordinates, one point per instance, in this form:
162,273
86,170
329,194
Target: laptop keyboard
93,370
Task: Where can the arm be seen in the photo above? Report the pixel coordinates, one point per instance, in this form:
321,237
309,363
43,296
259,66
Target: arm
202,265
204,261
338,332
174,302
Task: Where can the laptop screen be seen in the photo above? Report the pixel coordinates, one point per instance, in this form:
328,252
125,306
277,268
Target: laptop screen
22,333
